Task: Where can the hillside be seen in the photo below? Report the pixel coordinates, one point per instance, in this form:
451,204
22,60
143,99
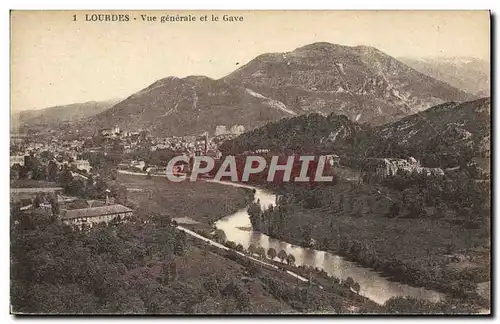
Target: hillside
360,82
174,106
445,135
59,114
305,133
468,74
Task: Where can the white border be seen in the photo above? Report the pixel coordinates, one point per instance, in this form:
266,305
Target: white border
189,4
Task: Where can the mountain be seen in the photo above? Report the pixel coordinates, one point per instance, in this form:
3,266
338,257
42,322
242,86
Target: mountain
175,106
360,82
304,133
59,114
468,74
443,135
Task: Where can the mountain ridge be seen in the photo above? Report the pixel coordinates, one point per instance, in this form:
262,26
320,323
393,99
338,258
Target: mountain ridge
466,73
445,135
360,82
355,81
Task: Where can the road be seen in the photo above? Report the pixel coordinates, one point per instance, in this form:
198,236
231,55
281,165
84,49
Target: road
223,247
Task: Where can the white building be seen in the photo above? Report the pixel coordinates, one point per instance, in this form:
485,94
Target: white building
83,165
138,164
237,129
220,130
333,160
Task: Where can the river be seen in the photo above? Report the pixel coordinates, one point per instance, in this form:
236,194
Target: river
373,286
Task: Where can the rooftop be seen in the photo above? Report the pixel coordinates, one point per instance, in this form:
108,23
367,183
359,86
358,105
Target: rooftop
96,211
34,190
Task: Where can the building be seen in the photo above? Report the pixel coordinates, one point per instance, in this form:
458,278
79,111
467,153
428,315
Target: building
17,159
388,167
138,164
333,160
216,154
34,191
79,176
220,130
237,129
430,171
111,132
94,215
83,165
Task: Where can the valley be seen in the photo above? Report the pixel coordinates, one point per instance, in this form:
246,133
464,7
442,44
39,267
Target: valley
402,223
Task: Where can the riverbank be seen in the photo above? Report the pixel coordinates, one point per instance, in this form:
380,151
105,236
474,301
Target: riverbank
420,259
406,251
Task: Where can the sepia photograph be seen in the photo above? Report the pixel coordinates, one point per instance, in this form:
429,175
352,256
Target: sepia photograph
253,162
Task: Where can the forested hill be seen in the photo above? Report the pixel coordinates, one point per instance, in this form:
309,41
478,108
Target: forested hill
305,133
446,135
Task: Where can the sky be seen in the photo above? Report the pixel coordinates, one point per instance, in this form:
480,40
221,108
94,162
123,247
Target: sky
56,60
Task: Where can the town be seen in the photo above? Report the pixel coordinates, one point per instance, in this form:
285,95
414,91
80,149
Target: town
52,168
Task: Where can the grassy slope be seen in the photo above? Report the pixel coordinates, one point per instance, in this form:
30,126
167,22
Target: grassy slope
201,201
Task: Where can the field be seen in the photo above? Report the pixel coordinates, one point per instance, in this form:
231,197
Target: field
201,201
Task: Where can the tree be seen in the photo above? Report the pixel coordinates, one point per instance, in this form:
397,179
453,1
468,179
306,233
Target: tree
52,171
282,255
23,173
212,284
393,211
356,287
290,259
90,181
120,194
75,188
349,282
271,253
254,211
180,243
65,177
37,201
101,188
169,272
261,252
252,249
238,292
220,236
231,244
239,248
306,235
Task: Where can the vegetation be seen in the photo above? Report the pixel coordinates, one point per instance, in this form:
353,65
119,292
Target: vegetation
416,230
302,134
59,269
271,253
